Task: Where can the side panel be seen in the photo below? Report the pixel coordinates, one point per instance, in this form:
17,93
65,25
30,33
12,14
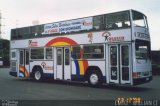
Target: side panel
79,68
73,39
46,65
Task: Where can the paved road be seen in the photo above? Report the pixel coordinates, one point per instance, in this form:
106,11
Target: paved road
12,88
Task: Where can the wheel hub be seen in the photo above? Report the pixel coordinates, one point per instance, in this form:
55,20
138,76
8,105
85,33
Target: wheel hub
37,75
94,79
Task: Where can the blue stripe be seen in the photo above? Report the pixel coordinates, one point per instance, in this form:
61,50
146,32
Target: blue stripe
77,67
22,72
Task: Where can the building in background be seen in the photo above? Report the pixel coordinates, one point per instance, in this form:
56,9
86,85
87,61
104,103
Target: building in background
4,53
156,62
4,47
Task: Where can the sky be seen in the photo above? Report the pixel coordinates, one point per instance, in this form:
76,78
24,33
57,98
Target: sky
21,13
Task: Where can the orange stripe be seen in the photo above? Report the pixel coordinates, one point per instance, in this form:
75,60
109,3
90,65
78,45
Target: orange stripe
24,70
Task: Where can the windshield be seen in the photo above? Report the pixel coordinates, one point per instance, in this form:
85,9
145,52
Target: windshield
139,19
142,49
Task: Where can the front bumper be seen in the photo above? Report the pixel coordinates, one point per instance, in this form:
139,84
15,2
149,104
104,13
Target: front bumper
12,73
142,80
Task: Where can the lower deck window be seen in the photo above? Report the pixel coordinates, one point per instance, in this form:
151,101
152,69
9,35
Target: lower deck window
93,51
37,53
76,52
49,53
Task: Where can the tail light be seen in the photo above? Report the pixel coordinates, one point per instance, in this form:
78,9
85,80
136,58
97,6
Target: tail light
135,75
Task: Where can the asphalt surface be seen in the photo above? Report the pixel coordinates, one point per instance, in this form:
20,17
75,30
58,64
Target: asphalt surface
12,88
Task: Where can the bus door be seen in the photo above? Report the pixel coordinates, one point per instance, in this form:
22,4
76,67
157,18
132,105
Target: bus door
63,70
119,63
23,63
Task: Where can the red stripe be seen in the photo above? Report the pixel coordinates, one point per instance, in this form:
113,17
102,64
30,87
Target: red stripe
81,53
85,64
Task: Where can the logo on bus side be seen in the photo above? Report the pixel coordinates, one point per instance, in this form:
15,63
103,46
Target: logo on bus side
46,67
32,44
106,35
110,38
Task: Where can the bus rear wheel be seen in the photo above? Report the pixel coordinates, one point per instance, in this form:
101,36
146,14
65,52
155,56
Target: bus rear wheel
95,79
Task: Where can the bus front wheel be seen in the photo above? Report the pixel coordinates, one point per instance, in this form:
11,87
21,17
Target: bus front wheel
38,75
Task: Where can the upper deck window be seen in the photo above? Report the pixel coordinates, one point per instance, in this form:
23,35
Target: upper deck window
27,32
139,19
80,25
98,22
117,20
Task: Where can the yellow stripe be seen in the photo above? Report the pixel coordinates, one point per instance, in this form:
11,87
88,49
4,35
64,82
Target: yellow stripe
81,66
60,44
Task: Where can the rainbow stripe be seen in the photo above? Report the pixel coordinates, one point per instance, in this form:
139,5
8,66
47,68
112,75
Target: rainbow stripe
81,64
23,71
61,41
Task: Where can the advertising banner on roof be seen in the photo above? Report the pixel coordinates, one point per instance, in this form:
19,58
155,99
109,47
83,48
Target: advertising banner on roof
69,26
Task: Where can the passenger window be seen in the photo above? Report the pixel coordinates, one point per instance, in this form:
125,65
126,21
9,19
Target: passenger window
76,52
98,22
13,55
49,53
93,51
59,56
117,20
125,55
37,53
21,57
67,57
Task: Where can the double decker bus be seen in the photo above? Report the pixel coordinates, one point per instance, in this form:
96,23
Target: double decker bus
111,48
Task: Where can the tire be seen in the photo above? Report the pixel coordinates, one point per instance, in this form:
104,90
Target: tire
95,78
38,75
